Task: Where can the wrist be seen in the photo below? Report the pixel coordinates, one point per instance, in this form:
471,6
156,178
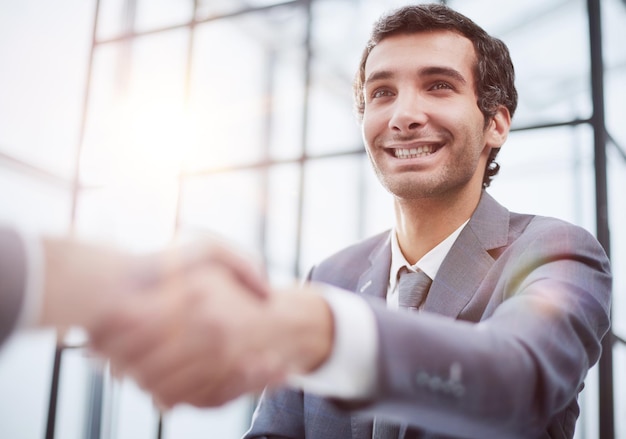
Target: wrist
80,282
306,327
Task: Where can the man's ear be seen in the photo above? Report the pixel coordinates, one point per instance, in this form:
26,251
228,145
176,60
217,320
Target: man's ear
498,129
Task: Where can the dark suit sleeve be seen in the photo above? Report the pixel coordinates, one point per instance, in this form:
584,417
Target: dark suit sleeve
12,280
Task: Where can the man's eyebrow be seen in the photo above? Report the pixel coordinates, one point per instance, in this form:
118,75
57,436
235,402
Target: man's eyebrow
378,75
443,71
426,71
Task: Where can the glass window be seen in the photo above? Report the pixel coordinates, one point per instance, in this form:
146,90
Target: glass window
617,212
226,204
24,196
25,371
154,14
133,415
44,65
281,221
136,131
246,90
548,172
619,365
331,208
229,421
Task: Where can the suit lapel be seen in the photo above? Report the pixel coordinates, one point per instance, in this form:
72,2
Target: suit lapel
457,280
468,261
375,280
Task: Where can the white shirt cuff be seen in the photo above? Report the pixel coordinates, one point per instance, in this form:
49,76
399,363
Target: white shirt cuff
351,369
34,286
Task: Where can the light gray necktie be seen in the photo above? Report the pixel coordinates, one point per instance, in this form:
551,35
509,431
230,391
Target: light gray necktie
412,290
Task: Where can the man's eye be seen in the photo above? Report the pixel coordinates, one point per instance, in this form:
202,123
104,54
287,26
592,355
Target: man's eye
441,86
381,93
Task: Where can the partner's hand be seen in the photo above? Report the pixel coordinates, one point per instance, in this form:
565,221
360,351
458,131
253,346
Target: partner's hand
204,339
84,284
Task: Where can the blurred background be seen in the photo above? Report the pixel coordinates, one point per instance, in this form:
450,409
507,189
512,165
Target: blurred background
135,122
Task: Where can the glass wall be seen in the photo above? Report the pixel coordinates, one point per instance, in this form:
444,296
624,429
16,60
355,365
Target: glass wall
136,122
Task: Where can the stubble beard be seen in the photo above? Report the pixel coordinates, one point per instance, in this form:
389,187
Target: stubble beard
412,186
441,183
418,185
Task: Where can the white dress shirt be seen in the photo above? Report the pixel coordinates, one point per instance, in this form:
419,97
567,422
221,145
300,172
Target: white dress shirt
350,371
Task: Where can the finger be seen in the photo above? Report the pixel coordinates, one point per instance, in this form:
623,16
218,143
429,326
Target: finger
140,326
160,267
214,380
203,349
233,383
183,330
155,369
181,384
242,266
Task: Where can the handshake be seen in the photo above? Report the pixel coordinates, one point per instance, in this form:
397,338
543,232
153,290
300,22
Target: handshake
197,324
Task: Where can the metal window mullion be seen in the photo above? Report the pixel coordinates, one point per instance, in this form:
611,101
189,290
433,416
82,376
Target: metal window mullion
605,365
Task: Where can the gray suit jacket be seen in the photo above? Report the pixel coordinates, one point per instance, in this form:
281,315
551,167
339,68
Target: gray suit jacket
12,280
510,327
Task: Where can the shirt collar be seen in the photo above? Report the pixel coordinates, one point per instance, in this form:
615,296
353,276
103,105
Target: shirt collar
429,263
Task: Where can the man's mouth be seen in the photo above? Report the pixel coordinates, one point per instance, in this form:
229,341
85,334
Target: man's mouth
415,152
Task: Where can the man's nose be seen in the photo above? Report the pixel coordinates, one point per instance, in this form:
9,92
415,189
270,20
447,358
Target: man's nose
409,113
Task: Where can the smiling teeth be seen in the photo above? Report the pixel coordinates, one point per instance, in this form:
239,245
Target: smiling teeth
411,153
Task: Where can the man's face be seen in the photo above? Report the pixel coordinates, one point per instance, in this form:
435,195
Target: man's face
422,127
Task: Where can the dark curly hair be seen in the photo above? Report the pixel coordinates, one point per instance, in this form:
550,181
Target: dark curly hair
494,72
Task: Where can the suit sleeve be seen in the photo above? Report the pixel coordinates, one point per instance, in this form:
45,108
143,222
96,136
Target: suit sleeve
510,374
12,280
292,414
279,414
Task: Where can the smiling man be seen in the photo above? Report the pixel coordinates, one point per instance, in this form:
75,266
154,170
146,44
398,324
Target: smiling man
464,321
515,305
428,140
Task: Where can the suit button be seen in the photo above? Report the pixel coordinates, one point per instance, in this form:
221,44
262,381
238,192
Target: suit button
422,379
